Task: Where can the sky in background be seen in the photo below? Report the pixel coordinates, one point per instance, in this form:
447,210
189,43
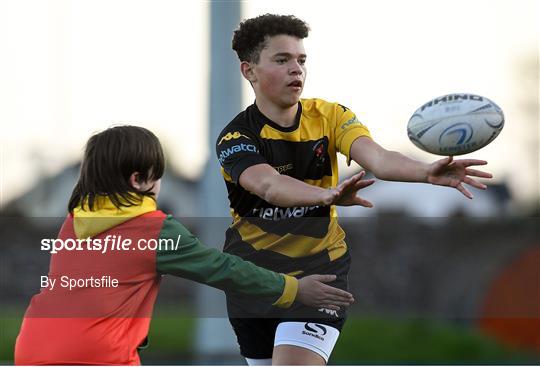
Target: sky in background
76,67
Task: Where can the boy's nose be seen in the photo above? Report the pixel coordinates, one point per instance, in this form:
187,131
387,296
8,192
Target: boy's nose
296,70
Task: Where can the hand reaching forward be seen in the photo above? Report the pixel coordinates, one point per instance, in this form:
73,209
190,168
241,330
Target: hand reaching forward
345,193
314,293
447,172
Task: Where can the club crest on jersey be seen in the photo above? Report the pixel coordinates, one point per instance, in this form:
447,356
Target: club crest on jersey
320,152
230,136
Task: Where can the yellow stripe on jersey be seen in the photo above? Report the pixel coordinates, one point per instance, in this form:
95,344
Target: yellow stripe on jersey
226,176
312,130
290,244
337,250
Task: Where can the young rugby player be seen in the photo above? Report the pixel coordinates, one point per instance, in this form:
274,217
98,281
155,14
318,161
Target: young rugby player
96,304
279,164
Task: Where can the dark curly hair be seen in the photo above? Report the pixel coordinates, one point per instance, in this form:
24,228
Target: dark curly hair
252,35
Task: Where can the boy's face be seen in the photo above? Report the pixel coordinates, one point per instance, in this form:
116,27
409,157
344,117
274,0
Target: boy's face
278,78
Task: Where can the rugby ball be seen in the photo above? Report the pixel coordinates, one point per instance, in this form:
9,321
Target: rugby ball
455,124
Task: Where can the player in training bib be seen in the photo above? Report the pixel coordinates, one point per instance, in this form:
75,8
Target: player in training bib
279,163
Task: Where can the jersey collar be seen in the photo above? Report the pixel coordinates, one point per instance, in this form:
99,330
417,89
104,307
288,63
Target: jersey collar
262,118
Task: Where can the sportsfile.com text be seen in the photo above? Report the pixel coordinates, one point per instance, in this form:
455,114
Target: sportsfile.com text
109,243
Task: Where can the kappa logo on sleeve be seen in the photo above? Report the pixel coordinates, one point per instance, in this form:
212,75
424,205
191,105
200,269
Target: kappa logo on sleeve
234,135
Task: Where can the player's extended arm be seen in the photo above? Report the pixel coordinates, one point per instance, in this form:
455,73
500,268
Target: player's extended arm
192,260
285,191
394,166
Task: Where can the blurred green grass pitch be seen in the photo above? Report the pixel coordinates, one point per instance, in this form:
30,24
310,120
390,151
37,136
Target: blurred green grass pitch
377,340
365,340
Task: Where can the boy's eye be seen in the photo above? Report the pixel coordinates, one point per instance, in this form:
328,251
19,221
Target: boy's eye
302,61
281,61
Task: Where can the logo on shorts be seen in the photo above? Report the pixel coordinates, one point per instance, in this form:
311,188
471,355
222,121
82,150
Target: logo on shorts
328,311
314,330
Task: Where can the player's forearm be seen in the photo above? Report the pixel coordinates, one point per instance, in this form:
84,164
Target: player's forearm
394,166
286,191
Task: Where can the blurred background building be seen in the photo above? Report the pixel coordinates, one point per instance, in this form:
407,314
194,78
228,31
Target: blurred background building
429,265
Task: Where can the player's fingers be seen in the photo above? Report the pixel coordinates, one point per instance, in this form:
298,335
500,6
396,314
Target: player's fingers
438,165
477,173
464,191
359,175
336,300
325,278
339,300
352,181
472,162
474,183
330,307
338,293
344,184
336,303
363,183
445,161
363,202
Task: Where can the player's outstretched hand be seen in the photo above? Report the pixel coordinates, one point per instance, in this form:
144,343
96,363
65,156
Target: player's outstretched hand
314,293
345,193
454,173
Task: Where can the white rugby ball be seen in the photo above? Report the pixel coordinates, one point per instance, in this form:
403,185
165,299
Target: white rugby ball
455,124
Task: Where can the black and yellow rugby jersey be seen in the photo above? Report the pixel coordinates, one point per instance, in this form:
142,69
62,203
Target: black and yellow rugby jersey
287,240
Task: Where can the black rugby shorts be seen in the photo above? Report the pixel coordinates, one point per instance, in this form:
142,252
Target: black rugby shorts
255,322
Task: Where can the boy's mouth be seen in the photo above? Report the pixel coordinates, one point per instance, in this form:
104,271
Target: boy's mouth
295,84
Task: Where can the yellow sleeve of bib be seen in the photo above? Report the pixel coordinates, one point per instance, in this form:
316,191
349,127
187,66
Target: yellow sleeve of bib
290,291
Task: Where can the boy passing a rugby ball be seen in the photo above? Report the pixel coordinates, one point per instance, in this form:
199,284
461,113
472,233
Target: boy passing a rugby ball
279,164
104,314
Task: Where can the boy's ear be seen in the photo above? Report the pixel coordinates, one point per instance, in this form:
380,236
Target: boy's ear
135,180
247,71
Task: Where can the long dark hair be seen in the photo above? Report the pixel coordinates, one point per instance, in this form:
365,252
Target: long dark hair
110,158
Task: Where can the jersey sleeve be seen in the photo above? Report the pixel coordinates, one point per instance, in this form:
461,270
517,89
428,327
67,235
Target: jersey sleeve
192,260
348,129
237,150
